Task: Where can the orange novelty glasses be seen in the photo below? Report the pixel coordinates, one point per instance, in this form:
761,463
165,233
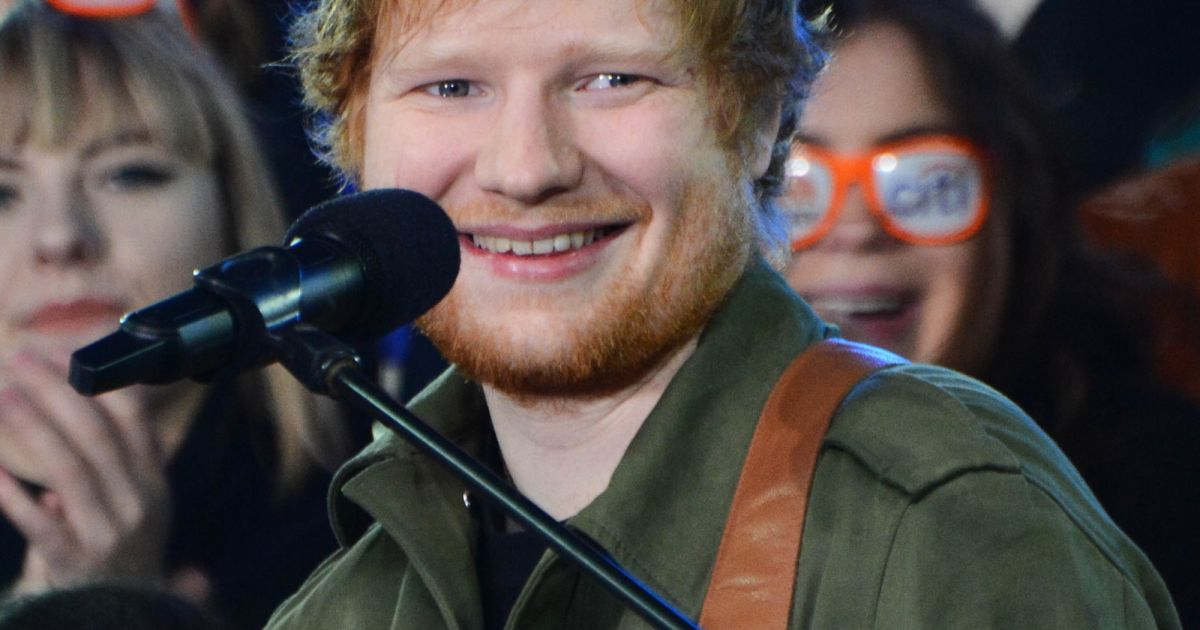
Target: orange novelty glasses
925,190
106,9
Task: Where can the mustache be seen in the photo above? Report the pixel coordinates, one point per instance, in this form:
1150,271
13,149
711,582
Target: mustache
606,210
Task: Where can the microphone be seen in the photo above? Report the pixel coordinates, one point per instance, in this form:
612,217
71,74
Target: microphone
362,264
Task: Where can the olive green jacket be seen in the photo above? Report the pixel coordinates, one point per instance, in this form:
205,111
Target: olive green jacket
936,504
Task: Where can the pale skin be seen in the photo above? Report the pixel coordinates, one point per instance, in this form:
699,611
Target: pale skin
89,230
523,105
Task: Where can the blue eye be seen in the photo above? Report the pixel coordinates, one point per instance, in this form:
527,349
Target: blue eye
610,80
454,88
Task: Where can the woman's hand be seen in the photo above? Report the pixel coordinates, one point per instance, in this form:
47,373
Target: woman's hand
105,511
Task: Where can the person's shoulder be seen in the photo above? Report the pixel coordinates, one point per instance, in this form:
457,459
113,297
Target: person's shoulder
919,425
954,483
918,428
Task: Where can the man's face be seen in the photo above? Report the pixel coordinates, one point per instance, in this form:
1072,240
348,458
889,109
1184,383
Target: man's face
599,220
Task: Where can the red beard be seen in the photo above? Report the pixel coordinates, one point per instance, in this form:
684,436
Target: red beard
627,330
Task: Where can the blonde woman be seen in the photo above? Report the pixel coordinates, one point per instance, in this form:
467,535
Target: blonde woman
125,163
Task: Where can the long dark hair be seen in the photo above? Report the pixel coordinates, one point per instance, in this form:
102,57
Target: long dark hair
1069,315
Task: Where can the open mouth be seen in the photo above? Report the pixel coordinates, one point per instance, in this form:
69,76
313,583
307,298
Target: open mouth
561,243
882,318
862,306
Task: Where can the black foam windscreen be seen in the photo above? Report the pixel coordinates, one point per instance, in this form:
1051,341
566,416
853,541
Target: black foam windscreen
406,244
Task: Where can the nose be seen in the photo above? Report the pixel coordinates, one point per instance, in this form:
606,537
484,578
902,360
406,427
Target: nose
856,228
530,154
65,229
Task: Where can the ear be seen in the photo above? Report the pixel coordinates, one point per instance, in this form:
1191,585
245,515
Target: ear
763,144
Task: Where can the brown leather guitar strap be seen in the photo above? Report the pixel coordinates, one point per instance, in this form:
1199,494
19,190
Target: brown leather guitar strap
754,577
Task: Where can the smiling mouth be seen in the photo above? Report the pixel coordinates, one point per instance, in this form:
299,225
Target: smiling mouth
75,315
858,306
557,244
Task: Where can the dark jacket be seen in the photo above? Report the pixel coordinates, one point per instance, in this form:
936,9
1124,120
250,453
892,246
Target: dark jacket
936,503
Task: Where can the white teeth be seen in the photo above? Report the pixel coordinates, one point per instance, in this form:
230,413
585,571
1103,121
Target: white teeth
558,243
858,305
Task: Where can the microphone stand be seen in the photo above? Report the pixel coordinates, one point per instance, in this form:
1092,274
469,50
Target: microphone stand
328,366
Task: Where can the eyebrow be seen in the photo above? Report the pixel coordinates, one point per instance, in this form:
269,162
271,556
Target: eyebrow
123,138
894,136
579,52
598,51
